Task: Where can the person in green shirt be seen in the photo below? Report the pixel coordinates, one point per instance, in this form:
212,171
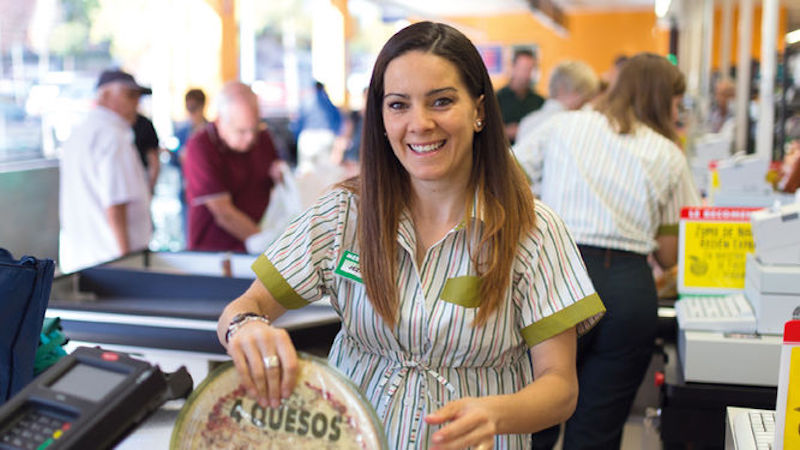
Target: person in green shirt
517,98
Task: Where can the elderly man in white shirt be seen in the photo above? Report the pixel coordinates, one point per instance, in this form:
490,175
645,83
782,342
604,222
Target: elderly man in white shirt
104,198
572,84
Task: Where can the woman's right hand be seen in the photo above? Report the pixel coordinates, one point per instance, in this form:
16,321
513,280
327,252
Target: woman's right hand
266,361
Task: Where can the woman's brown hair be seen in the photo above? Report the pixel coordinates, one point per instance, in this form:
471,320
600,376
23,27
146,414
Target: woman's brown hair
504,200
643,93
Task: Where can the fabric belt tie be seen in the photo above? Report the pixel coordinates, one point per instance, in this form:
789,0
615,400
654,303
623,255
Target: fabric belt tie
395,374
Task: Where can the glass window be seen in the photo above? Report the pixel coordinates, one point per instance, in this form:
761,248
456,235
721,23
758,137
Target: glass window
48,63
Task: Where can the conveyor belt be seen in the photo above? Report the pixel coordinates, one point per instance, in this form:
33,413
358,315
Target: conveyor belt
138,307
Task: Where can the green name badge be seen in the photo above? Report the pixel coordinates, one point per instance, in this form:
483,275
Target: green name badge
348,267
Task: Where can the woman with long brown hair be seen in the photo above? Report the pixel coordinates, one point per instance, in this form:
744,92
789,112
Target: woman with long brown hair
617,178
448,278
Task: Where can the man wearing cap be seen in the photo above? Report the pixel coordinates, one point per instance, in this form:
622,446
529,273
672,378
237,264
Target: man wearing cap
104,197
230,168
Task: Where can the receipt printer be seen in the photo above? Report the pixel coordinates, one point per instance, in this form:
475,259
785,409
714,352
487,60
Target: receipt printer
776,234
729,358
774,292
746,174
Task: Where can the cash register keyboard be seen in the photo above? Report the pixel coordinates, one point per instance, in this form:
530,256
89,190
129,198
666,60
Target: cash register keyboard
34,431
755,430
726,313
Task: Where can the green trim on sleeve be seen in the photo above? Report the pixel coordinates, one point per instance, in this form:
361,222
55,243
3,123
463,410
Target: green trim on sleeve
568,317
668,230
276,284
464,291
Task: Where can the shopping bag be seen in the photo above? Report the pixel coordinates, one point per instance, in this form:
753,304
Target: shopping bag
284,205
24,291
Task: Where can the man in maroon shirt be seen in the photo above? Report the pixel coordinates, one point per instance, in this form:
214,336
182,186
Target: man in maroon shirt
230,168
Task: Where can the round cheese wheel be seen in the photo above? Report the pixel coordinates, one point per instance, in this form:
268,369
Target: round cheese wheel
325,411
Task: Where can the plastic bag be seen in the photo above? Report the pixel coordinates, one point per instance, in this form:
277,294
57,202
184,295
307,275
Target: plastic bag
316,182
284,205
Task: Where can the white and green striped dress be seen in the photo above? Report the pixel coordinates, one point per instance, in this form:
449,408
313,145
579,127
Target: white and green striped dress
432,355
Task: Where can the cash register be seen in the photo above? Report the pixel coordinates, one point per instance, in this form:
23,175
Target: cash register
88,400
741,181
746,325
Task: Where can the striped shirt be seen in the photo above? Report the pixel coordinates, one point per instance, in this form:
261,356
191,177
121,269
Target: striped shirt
432,355
536,118
613,190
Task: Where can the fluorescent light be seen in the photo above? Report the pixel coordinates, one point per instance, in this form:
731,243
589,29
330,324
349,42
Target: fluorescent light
793,37
662,8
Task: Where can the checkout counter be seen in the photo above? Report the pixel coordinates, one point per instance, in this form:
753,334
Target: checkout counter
164,307
722,366
154,315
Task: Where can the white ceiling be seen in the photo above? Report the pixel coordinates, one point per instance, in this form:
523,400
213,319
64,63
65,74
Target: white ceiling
440,8
436,8
606,4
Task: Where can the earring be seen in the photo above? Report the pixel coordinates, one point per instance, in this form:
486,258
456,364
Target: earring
479,123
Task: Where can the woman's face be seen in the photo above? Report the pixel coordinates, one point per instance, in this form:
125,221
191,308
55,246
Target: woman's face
430,118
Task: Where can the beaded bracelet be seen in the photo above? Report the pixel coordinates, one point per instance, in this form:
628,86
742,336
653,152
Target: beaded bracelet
240,320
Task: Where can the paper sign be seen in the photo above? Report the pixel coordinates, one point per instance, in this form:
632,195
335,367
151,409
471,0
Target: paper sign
791,428
787,403
714,243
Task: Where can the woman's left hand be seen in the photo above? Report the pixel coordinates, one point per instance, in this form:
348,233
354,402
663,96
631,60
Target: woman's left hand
472,424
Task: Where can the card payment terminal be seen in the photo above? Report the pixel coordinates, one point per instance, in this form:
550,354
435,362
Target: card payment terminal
88,400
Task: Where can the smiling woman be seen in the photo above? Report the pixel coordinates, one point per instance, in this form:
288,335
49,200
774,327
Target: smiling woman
443,269
430,121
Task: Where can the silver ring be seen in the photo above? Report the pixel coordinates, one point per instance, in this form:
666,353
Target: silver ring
271,362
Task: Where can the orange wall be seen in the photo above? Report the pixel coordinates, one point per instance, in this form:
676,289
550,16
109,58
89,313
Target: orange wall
755,49
595,38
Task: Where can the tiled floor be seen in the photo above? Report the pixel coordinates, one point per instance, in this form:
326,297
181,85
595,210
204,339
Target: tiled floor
638,435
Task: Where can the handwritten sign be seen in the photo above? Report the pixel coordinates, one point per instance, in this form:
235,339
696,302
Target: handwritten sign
713,246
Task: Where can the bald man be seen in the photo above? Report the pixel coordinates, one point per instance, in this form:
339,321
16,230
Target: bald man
724,93
230,168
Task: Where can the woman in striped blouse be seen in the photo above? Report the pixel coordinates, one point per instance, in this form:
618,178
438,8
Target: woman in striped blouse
617,178
455,290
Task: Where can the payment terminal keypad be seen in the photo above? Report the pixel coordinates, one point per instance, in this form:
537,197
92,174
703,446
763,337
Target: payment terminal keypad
35,431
